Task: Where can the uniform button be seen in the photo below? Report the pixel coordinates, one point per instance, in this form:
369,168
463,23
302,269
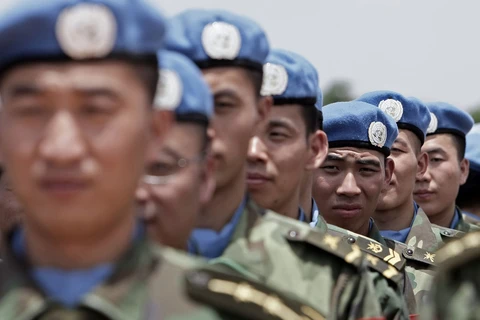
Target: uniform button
409,252
445,232
292,234
351,240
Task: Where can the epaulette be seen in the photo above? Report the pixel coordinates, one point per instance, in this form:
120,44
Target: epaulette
411,253
342,248
372,247
447,233
242,298
459,252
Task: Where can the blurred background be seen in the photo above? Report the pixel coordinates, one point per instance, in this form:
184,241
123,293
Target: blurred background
429,49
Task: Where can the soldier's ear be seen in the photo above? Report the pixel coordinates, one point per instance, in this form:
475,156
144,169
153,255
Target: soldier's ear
464,170
162,121
389,168
318,144
422,164
264,105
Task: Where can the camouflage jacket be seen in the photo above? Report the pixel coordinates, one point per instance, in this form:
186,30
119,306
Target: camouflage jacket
149,283
465,223
456,287
316,267
375,245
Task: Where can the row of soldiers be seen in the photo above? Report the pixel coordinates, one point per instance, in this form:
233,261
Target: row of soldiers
181,168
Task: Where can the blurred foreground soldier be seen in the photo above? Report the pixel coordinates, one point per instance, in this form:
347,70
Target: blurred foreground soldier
77,91
307,203
10,208
179,177
231,51
456,288
437,189
467,198
287,144
397,216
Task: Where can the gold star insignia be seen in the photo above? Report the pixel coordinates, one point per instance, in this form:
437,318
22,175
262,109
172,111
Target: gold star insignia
429,256
375,247
331,241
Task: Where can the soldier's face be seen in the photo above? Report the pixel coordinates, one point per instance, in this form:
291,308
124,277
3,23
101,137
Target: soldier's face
347,186
437,189
278,155
238,112
73,139
171,208
409,162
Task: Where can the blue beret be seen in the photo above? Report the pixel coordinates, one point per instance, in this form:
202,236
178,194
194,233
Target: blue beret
319,103
472,151
213,38
448,119
182,88
409,113
359,124
32,30
289,78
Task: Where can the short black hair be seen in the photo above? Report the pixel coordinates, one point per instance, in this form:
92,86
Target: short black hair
311,116
256,77
460,145
468,192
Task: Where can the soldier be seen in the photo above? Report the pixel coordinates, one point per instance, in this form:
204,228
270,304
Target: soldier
437,189
230,50
467,198
179,177
78,81
288,142
455,292
398,217
307,203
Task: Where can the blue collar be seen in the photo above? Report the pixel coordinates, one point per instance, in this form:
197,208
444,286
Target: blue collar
66,286
301,215
209,243
315,214
400,235
456,219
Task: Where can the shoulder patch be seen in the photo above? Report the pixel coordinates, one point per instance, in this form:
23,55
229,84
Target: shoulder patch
420,255
458,252
328,242
382,252
244,298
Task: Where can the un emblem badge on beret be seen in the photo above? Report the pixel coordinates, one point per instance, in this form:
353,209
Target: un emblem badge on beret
377,134
221,40
432,126
169,90
86,31
275,79
393,108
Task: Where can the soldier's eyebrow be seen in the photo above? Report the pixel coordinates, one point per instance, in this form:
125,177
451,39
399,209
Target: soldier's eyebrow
368,162
436,150
98,91
333,157
22,89
226,93
280,123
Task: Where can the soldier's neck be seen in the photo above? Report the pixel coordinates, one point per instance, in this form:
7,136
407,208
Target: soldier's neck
289,207
397,218
78,252
306,195
443,218
223,205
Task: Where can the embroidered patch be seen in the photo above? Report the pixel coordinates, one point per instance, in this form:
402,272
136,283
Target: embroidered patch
393,108
169,90
221,40
432,127
86,31
275,79
377,134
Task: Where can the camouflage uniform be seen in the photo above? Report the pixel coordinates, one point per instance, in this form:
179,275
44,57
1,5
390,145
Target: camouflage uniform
149,283
465,223
456,286
316,267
